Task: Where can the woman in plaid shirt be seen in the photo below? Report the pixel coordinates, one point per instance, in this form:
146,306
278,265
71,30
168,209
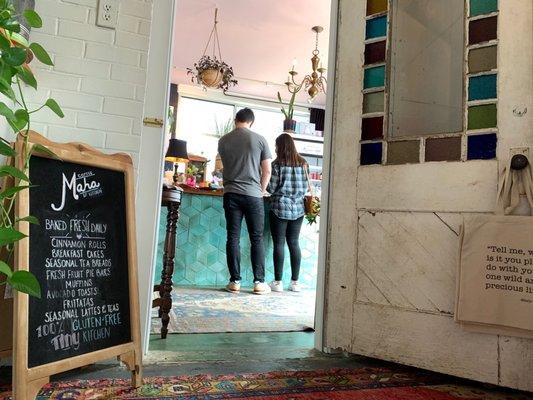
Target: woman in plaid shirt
287,187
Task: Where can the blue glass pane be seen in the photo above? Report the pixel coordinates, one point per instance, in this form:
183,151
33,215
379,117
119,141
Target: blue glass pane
376,27
480,7
482,87
371,153
482,147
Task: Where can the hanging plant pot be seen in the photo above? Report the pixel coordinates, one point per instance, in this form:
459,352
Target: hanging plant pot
211,77
213,73
289,125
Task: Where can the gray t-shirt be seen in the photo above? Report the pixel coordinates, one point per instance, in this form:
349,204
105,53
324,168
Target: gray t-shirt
242,151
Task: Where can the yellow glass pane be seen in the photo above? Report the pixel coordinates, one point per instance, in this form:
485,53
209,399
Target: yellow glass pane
376,6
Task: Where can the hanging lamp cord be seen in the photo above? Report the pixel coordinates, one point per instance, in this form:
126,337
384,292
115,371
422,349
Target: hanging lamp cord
214,36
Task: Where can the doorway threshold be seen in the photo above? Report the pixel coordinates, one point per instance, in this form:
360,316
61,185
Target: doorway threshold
230,347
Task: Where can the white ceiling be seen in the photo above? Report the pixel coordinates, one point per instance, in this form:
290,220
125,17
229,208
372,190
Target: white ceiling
259,39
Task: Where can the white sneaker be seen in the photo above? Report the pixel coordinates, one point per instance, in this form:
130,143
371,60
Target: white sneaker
261,288
276,286
233,287
295,286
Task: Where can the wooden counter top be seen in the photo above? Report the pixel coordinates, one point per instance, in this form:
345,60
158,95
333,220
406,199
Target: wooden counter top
202,192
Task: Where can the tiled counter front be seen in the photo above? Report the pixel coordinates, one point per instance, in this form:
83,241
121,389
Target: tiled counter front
201,246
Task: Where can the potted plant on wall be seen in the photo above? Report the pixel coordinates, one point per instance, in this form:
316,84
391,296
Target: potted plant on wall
289,124
213,73
15,73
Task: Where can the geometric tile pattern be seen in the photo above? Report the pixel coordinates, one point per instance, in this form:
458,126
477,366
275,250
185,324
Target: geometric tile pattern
201,247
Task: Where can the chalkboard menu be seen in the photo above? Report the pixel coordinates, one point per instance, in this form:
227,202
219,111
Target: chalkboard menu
79,254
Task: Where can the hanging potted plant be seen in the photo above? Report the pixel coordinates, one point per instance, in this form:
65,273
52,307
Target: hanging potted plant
211,71
289,124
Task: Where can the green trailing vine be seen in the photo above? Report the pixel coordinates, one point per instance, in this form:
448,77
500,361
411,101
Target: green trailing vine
16,53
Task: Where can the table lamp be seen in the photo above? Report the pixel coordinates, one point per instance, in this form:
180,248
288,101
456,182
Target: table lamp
176,153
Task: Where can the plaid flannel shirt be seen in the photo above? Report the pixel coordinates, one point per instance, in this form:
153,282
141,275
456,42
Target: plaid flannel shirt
287,186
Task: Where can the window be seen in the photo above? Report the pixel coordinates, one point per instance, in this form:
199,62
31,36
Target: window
426,67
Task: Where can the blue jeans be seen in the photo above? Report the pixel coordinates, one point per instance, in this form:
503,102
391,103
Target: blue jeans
237,206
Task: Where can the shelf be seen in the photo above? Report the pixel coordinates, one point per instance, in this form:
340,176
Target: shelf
315,167
311,155
307,138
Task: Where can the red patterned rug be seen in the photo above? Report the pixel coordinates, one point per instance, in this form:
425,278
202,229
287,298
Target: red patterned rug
335,384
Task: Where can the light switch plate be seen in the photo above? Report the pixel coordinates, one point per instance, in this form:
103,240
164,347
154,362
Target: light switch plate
107,16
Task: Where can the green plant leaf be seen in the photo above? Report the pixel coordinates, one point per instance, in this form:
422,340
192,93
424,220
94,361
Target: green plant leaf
31,219
12,25
10,235
25,282
6,111
14,56
21,119
7,150
27,76
41,54
13,190
33,18
39,148
5,269
12,171
4,42
52,105
5,87
18,38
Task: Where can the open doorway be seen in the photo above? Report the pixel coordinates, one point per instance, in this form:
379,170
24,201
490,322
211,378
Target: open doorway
261,42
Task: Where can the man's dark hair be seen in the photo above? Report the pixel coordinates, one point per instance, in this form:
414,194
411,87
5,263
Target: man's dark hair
245,115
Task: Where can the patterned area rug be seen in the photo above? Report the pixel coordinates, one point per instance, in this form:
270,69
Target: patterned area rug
203,310
336,384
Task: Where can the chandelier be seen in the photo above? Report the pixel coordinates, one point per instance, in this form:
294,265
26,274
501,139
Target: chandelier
314,83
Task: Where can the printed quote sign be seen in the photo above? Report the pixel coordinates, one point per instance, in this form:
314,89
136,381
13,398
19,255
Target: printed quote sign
78,253
510,269
495,286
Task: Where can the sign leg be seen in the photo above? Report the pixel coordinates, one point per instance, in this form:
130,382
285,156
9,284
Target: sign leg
31,389
133,361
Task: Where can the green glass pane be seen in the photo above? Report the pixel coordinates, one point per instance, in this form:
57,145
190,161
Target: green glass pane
374,77
481,117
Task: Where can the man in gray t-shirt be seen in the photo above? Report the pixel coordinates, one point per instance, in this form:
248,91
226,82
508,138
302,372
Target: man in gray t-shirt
246,172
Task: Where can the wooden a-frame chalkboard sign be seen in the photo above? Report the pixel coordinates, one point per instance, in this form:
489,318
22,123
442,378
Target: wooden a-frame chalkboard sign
83,253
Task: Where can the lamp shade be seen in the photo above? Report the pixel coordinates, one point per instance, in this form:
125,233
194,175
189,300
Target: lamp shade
177,151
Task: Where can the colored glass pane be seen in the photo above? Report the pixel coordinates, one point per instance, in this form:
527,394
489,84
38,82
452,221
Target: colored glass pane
482,87
374,77
481,117
482,147
371,153
376,27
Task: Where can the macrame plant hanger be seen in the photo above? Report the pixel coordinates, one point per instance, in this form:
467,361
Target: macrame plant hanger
216,41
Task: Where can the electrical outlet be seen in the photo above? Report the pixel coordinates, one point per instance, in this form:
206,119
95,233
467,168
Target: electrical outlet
107,13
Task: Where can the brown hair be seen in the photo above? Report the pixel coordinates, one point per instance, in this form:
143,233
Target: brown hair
286,152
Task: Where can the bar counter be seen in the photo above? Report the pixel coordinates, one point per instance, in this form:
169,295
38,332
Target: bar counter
201,244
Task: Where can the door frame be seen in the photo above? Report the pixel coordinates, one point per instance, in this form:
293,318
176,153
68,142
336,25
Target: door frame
151,162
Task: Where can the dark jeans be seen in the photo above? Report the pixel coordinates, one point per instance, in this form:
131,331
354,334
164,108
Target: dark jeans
286,230
237,206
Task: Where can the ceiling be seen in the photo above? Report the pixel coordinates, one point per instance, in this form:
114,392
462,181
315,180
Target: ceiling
258,38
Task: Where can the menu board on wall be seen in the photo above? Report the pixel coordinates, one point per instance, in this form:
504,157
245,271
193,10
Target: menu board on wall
83,254
79,254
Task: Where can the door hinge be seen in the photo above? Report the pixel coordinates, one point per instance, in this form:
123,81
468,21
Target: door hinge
156,122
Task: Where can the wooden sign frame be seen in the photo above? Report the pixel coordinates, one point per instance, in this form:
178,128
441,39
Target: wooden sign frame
28,381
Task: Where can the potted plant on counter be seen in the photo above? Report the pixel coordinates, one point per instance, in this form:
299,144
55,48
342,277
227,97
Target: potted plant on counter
213,73
289,124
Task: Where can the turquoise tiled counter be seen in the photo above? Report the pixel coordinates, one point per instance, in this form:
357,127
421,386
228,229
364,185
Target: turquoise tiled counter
201,246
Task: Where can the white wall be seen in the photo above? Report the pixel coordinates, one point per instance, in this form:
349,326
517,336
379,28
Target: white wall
99,74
